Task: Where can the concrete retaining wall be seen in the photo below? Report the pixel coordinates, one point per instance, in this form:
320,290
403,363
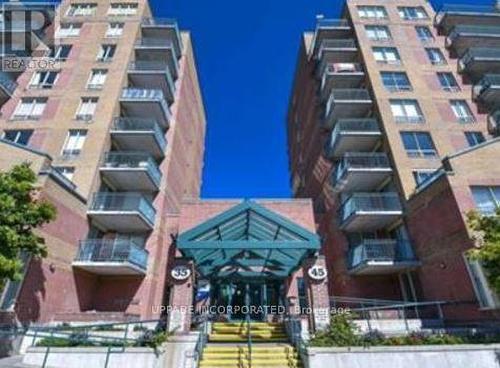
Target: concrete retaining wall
436,356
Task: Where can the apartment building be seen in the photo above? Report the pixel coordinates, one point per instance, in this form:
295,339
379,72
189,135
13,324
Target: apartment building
391,131
115,128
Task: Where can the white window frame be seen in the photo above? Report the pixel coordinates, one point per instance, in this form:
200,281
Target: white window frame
105,51
115,29
494,199
66,30
18,133
378,31
86,109
420,13
67,171
435,51
97,78
407,107
58,51
81,10
36,82
372,12
429,38
30,110
462,111
385,51
475,135
73,144
448,87
123,9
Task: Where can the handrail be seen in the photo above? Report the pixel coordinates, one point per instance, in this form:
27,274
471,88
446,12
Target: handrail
202,340
249,340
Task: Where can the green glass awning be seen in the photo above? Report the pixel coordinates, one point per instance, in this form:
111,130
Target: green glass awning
248,241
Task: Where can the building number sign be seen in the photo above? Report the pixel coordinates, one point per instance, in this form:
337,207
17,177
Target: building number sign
317,272
180,273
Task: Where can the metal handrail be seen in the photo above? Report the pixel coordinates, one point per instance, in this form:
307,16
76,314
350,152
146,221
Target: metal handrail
370,202
202,340
380,250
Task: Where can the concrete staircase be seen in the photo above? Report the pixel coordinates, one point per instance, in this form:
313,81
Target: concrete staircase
228,347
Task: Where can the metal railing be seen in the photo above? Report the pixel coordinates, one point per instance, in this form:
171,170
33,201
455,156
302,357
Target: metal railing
479,52
121,251
355,160
133,160
380,250
170,22
473,30
146,94
337,44
332,68
344,126
486,82
202,339
410,119
346,96
127,124
464,8
123,202
142,66
331,23
249,339
370,202
155,42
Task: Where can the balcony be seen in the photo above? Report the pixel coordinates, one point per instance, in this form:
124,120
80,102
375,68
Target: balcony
159,50
132,133
478,61
353,135
361,172
152,74
131,171
463,37
163,28
452,15
347,103
140,102
487,90
341,75
111,257
336,51
381,256
328,29
122,212
363,212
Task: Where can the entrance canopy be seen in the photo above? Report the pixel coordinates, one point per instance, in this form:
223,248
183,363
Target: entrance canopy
248,241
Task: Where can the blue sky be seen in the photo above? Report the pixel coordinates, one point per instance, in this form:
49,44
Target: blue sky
246,53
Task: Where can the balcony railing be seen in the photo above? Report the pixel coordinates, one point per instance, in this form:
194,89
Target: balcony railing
7,83
370,203
123,202
336,44
474,31
168,22
116,251
148,66
341,68
355,160
143,94
133,160
331,23
139,125
464,8
380,250
346,96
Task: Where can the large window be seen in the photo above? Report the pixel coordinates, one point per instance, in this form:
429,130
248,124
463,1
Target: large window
424,34
406,111
74,142
115,29
86,109
21,136
396,81
60,52
106,53
474,138
412,12
435,56
462,111
378,33
30,108
487,199
386,55
448,82
418,144
122,9
78,10
374,12
69,30
97,79
43,79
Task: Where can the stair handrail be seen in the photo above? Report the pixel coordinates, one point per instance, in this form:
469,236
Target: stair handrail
249,340
202,339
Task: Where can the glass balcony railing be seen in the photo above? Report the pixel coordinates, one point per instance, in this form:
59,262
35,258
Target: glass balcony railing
472,9
168,22
133,160
143,94
127,124
331,23
346,96
371,203
337,44
116,251
123,202
474,30
481,90
148,66
354,160
380,250
7,84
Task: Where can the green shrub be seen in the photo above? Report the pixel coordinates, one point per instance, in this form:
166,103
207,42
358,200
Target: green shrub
341,332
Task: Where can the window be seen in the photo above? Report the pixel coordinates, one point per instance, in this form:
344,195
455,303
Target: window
18,136
396,81
123,9
422,176
424,34
487,199
61,52
448,82
74,142
377,12
67,171
78,10
69,30
386,55
418,144
30,108
406,111
474,138
486,297
86,109
462,111
106,53
97,78
435,56
412,13
45,80
378,33
114,29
